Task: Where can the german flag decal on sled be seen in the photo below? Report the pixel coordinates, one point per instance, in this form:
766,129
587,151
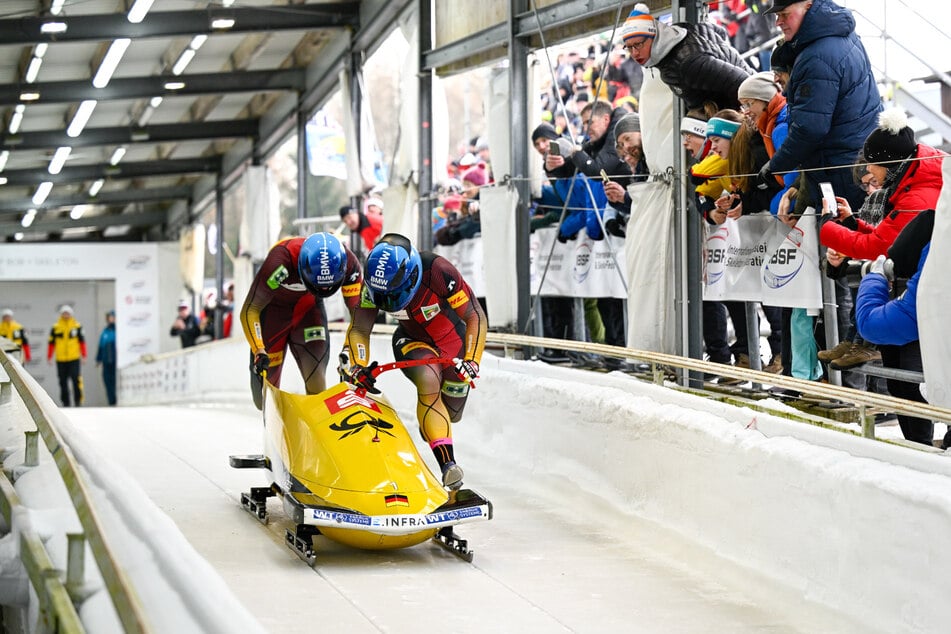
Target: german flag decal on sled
397,500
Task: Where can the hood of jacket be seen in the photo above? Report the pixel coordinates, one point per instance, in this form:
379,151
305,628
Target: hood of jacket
668,36
921,184
823,19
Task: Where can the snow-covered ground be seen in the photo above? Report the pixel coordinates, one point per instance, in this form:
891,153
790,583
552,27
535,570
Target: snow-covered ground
619,506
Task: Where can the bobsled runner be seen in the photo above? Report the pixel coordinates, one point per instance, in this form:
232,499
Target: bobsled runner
346,468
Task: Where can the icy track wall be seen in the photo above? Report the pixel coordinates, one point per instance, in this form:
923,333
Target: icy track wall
830,515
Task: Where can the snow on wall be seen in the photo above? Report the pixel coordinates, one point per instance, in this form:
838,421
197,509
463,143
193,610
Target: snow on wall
858,534
853,524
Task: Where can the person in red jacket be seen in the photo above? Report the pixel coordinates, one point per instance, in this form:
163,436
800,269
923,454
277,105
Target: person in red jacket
438,316
368,225
909,171
284,307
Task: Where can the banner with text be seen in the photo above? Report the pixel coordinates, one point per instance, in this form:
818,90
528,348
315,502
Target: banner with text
756,258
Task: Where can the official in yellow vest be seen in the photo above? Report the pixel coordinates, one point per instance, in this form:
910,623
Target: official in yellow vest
13,330
69,347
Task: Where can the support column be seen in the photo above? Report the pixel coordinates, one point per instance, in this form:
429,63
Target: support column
424,204
518,50
219,252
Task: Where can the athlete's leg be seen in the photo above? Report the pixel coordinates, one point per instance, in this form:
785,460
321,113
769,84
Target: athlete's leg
309,344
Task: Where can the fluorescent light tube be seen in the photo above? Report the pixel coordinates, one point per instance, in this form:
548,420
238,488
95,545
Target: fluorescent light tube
42,192
81,118
110,61
139,9
59,159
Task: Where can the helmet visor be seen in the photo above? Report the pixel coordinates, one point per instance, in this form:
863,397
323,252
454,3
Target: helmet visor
392,301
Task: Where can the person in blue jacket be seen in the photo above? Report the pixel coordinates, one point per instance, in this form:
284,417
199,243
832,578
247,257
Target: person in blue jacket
106,356
832,95
893,323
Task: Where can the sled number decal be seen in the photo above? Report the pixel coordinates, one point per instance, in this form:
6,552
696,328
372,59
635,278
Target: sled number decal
339,402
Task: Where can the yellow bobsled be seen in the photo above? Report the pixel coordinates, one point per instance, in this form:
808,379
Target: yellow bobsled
346,468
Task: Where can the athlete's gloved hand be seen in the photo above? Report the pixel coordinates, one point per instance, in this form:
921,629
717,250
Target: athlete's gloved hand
362,377
261,361
343,366
467,369
878,266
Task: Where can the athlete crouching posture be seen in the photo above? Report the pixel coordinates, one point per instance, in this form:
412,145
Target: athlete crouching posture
285,307
438,316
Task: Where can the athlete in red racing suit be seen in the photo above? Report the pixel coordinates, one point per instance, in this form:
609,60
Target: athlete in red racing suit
285,307
438,316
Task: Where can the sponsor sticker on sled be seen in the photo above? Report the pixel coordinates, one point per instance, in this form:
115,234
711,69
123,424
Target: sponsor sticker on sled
343,400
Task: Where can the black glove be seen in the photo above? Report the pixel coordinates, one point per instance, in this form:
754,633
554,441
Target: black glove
765,172
343,366
261,362
362,376
614,227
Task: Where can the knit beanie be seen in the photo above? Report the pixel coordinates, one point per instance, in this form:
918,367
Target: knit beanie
759,86
628,123
689,125
781,61
640,23
892,140
544,131
475,175
722,128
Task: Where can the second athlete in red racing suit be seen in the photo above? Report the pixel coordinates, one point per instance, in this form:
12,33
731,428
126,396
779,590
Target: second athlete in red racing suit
438,316
285,308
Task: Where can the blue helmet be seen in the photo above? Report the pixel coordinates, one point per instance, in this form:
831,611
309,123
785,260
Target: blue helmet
394,272
322,264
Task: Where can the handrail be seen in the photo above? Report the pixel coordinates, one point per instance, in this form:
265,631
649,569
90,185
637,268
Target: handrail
814,388
56,608
127,604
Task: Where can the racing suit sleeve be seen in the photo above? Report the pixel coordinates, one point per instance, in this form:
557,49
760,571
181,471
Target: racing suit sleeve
272,272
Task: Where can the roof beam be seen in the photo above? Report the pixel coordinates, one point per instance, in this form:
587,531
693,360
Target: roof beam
74,173
123,135
278,79
109,26
54,225
120,197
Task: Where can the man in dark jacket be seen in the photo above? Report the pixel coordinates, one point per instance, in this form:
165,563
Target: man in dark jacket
695,60
832,96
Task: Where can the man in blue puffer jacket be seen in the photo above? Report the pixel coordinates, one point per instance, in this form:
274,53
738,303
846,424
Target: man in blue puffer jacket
832,95
893,324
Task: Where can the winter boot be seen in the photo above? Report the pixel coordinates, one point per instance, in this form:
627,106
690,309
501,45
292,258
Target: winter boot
451,475
775,365
832,354
858,354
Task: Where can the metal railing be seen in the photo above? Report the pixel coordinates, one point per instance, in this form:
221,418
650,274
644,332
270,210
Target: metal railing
123,596
659,361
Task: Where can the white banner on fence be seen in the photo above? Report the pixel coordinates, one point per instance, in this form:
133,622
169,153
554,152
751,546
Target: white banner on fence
498,206
756,258
578,268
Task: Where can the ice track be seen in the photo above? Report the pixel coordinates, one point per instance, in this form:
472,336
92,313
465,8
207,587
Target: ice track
551,560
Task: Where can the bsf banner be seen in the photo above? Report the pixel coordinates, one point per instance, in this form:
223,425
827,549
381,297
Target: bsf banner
577,268
756,258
